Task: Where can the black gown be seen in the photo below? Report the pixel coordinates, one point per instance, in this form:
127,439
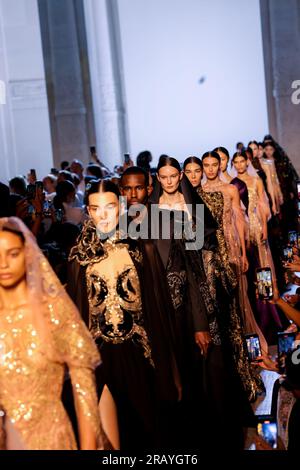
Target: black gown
208,419
138,364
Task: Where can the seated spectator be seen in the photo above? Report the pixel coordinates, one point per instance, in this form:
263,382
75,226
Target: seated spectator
67,201
64,175
89,178
144,159
57,244
50,182
77,168
64,165
4,199
79,193
17,185
94,170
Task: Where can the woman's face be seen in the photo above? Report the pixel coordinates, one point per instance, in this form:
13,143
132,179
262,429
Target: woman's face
12,260
260,151
224,161
240,164
269,151
194,173
169,178
104,209
211,167
254,148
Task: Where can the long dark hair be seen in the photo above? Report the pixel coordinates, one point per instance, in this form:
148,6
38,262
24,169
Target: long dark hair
189,160
239,154
253,142
223,150
9,228
62,190
168,161
212,154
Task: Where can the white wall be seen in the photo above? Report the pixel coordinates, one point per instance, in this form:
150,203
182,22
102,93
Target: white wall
24,125
167,46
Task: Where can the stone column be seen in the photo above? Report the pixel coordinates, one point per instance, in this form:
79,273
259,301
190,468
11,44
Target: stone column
281,43
66,65
24,123
105,60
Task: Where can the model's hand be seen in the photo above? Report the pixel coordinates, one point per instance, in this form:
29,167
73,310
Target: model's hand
274,209
203,340
245,263
264,236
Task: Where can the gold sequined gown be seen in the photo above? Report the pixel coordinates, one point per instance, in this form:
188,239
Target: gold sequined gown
223,267
32,372
261,257
268,165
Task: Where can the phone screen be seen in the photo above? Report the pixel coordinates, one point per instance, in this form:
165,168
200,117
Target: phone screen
298,189
288,253
267,429
285,344
59,215
253,346
293,238
264,283
126,158
30,193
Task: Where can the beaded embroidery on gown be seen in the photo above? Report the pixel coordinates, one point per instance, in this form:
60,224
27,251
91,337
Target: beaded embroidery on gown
220,266
34,357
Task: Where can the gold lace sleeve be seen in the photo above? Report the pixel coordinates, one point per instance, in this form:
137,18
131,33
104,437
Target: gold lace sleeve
78,351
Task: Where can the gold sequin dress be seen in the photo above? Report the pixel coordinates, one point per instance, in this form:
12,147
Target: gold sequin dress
39,342
224,264
32,375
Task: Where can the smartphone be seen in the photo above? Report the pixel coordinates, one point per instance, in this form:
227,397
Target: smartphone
285,344
264,283
30,192
288,253
39,185
59,215
293,238
33,173
267,429
126,158
92,150
253,347
298,189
